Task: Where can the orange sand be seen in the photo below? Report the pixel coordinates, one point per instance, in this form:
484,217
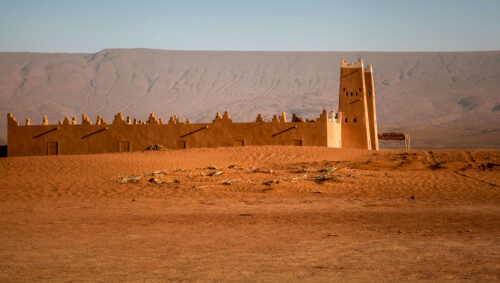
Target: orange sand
64,217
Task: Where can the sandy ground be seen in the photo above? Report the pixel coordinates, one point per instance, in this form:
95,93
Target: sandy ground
325,215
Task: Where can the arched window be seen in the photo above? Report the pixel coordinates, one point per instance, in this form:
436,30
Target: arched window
346,93
354,120
356,94
351,93
345,120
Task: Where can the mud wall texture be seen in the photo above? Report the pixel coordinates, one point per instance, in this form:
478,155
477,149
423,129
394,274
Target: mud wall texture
122,135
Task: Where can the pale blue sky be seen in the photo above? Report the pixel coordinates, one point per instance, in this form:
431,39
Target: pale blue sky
344,25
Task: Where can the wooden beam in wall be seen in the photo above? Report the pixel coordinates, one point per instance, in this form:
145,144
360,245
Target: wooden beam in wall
98,131
350,73
44,133
285,130
195,131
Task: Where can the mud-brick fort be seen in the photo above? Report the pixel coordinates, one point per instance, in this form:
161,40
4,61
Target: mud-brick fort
353,126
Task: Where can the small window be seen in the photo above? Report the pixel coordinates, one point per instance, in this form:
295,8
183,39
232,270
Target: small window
351,93
356,94
343,89
370,93
345,120
359,89
354,120
346,93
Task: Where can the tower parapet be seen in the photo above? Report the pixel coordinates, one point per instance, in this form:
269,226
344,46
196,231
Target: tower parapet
345,64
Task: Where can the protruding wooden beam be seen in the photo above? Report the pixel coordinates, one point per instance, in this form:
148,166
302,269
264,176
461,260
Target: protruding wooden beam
44,133
98,131
195,131
350,73
285,130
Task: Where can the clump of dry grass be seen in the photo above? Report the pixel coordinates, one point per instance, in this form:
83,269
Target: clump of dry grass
271,181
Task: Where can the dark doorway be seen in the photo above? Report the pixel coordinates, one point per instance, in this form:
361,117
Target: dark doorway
238,143
181,144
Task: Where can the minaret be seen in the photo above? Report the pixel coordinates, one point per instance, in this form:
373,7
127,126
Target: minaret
353,105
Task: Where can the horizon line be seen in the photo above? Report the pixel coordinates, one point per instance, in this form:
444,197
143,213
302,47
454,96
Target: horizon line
260,50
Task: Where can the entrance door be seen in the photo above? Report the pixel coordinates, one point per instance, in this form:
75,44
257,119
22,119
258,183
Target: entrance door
52,148
124,146
181,144
238,143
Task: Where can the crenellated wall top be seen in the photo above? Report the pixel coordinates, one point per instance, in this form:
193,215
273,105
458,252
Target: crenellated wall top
173,120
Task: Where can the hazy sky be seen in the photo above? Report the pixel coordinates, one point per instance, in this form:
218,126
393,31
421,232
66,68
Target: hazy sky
344,25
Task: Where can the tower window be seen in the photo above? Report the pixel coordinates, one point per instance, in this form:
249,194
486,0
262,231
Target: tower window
345,120
354,120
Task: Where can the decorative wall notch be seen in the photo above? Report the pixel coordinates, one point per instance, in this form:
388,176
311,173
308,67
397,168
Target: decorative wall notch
100,120
11,120
119,119
86,120
152,119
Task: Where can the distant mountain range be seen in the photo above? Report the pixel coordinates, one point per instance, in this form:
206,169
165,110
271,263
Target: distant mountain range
442,99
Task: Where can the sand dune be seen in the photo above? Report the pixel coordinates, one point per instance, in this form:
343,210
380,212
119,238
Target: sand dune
444,100
387,215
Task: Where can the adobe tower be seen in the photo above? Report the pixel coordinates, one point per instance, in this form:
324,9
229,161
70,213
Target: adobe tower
357,106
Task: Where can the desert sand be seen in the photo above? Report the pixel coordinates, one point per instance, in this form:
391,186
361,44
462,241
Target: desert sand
323,215
441,99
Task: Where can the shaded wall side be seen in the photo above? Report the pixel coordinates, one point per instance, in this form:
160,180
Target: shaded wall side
355,130
372,111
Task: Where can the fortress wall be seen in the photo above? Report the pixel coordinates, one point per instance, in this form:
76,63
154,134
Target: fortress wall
120,136
353,106
355,126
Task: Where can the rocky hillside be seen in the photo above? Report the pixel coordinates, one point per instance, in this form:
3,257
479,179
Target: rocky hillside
443,100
